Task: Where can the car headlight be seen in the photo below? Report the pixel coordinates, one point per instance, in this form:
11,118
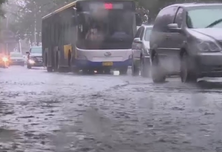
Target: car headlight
31,61
208,46
5,59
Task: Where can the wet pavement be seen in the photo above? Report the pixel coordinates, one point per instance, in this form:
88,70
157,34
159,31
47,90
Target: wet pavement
62,112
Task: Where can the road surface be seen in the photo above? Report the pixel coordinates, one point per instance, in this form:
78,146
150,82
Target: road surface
53,112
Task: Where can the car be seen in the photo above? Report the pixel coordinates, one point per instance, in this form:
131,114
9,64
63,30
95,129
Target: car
34,57
186,40
140,51
16,58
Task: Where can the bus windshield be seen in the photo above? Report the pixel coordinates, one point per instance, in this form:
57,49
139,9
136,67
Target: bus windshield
113,29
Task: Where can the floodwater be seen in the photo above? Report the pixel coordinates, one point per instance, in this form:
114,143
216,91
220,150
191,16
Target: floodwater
63,112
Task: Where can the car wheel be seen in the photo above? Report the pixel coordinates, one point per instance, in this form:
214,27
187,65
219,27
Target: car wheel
158,74
87,71
135,69
107,71
144,68
5,66
187,74
123,71
49,69
29,66
75,70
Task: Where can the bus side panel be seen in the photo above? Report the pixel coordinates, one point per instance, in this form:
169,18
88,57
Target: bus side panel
50,51
66,37
44,39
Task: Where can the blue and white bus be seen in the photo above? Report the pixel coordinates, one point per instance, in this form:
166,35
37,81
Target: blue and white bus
90,35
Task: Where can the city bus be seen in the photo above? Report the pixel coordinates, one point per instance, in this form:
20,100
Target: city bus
90,36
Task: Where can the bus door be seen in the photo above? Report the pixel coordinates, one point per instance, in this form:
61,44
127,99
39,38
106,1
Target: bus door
74,31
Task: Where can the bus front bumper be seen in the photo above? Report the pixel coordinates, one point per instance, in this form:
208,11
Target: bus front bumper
90,64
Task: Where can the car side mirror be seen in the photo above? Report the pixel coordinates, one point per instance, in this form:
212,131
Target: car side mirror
137,40
173,27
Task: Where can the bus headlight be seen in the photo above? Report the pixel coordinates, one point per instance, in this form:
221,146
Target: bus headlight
31,61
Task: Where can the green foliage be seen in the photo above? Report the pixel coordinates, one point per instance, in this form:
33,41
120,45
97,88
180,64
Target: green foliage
1,10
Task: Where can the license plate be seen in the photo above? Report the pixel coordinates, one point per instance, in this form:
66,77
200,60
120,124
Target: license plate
107,63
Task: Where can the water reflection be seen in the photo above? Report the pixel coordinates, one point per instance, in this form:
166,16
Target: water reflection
204,84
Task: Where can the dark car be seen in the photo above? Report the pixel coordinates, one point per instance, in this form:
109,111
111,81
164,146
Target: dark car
35,57
187,39
140,51
16,58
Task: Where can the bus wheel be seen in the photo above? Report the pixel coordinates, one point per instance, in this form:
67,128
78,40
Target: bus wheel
100,71
91,71
107,71
49,69
67,69
85,71
123,71
5,66
75,70
57,68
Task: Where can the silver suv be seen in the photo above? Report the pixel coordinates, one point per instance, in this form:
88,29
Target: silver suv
186,39
140,51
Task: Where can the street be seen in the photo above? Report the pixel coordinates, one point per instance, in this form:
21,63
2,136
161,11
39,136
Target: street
63,112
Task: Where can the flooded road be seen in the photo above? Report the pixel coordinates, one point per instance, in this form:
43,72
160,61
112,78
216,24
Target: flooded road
53,112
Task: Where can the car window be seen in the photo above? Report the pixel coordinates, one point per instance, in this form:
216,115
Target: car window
138,32
36,50
165,17
147,34
203,17
179,17
15,55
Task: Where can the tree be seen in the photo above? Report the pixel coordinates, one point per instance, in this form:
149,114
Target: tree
27,22
1,10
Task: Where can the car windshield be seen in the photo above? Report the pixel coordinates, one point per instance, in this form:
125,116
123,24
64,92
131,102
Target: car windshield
147,34
15,55
36,50
203,17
